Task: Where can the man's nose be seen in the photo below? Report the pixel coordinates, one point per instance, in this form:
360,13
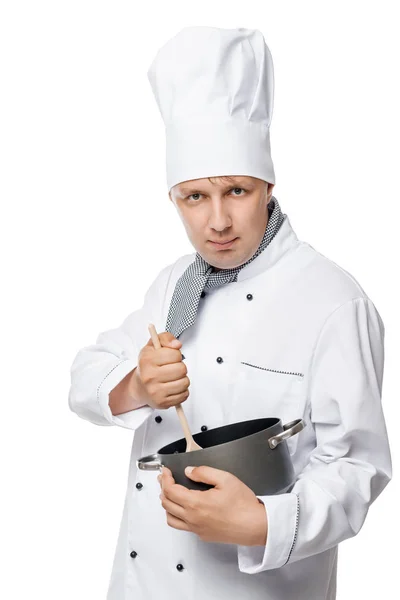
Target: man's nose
219,218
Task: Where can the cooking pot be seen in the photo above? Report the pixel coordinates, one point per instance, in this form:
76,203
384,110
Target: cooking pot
255,451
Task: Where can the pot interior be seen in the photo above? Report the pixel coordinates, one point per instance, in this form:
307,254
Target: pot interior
221,435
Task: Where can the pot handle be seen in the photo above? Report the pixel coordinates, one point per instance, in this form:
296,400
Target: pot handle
290,429
149,463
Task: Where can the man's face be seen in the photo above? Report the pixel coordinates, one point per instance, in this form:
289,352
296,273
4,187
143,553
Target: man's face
221,209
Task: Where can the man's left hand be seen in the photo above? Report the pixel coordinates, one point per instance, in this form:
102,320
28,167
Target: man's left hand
229,513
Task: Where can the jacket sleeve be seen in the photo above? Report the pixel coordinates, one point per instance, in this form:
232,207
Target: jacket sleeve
98,368
351,462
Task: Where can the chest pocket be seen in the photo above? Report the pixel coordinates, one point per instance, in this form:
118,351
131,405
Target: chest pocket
262,392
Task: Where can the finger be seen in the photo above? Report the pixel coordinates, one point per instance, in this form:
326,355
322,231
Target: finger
166,356
172,372
187,499
175,399
172,507
171,388
166,472
166,477
177,523
174,491
209,475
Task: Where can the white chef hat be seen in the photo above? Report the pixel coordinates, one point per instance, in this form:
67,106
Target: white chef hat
214,89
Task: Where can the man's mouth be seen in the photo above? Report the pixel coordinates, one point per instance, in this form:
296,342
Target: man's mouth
224,244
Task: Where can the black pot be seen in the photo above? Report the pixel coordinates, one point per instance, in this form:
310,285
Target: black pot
255,451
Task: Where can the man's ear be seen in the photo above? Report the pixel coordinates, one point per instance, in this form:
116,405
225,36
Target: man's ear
270,188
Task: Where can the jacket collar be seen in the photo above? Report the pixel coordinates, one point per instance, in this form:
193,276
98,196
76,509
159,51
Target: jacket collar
284,241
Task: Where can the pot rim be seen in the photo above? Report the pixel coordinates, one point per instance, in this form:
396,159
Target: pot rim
212,448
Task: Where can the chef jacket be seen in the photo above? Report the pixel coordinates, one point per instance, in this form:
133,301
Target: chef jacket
295,336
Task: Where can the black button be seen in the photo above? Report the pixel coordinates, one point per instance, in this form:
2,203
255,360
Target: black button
139,485
203,294
204,427
158,419
179,567
133,554
220,359
249,296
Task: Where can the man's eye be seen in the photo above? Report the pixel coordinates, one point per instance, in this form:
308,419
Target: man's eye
196,196
191,195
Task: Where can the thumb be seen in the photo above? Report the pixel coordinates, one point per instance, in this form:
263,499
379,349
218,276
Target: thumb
209,475
168,340
175,343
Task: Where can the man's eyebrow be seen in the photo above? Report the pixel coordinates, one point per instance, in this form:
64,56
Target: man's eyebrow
191,190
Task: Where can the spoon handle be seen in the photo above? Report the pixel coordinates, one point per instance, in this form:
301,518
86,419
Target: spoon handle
182,417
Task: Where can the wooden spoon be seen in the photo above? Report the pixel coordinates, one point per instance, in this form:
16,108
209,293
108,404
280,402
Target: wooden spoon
190,443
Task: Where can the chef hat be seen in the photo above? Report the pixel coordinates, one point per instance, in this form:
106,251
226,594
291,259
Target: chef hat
214,89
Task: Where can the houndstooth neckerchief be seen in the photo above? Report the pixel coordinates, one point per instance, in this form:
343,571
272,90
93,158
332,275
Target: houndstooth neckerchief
200,276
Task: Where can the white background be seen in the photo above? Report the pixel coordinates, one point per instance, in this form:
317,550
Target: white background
86,225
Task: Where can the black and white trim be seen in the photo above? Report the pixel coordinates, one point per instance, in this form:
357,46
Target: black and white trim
296,527
105,377
273,370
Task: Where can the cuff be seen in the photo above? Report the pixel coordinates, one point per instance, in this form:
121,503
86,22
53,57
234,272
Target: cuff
131,419
282,514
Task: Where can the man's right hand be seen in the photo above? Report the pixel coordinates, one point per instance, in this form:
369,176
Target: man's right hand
161,376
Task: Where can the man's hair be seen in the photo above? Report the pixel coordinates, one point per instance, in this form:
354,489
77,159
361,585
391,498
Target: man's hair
227,177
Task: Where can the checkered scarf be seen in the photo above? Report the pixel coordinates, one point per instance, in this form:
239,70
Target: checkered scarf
200,277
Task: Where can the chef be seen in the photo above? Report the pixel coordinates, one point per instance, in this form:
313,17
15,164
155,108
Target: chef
254,323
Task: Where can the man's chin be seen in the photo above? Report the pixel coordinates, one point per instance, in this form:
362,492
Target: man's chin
227,259
223,265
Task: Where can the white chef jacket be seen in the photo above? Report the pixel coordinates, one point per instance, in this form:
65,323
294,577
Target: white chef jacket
298,338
